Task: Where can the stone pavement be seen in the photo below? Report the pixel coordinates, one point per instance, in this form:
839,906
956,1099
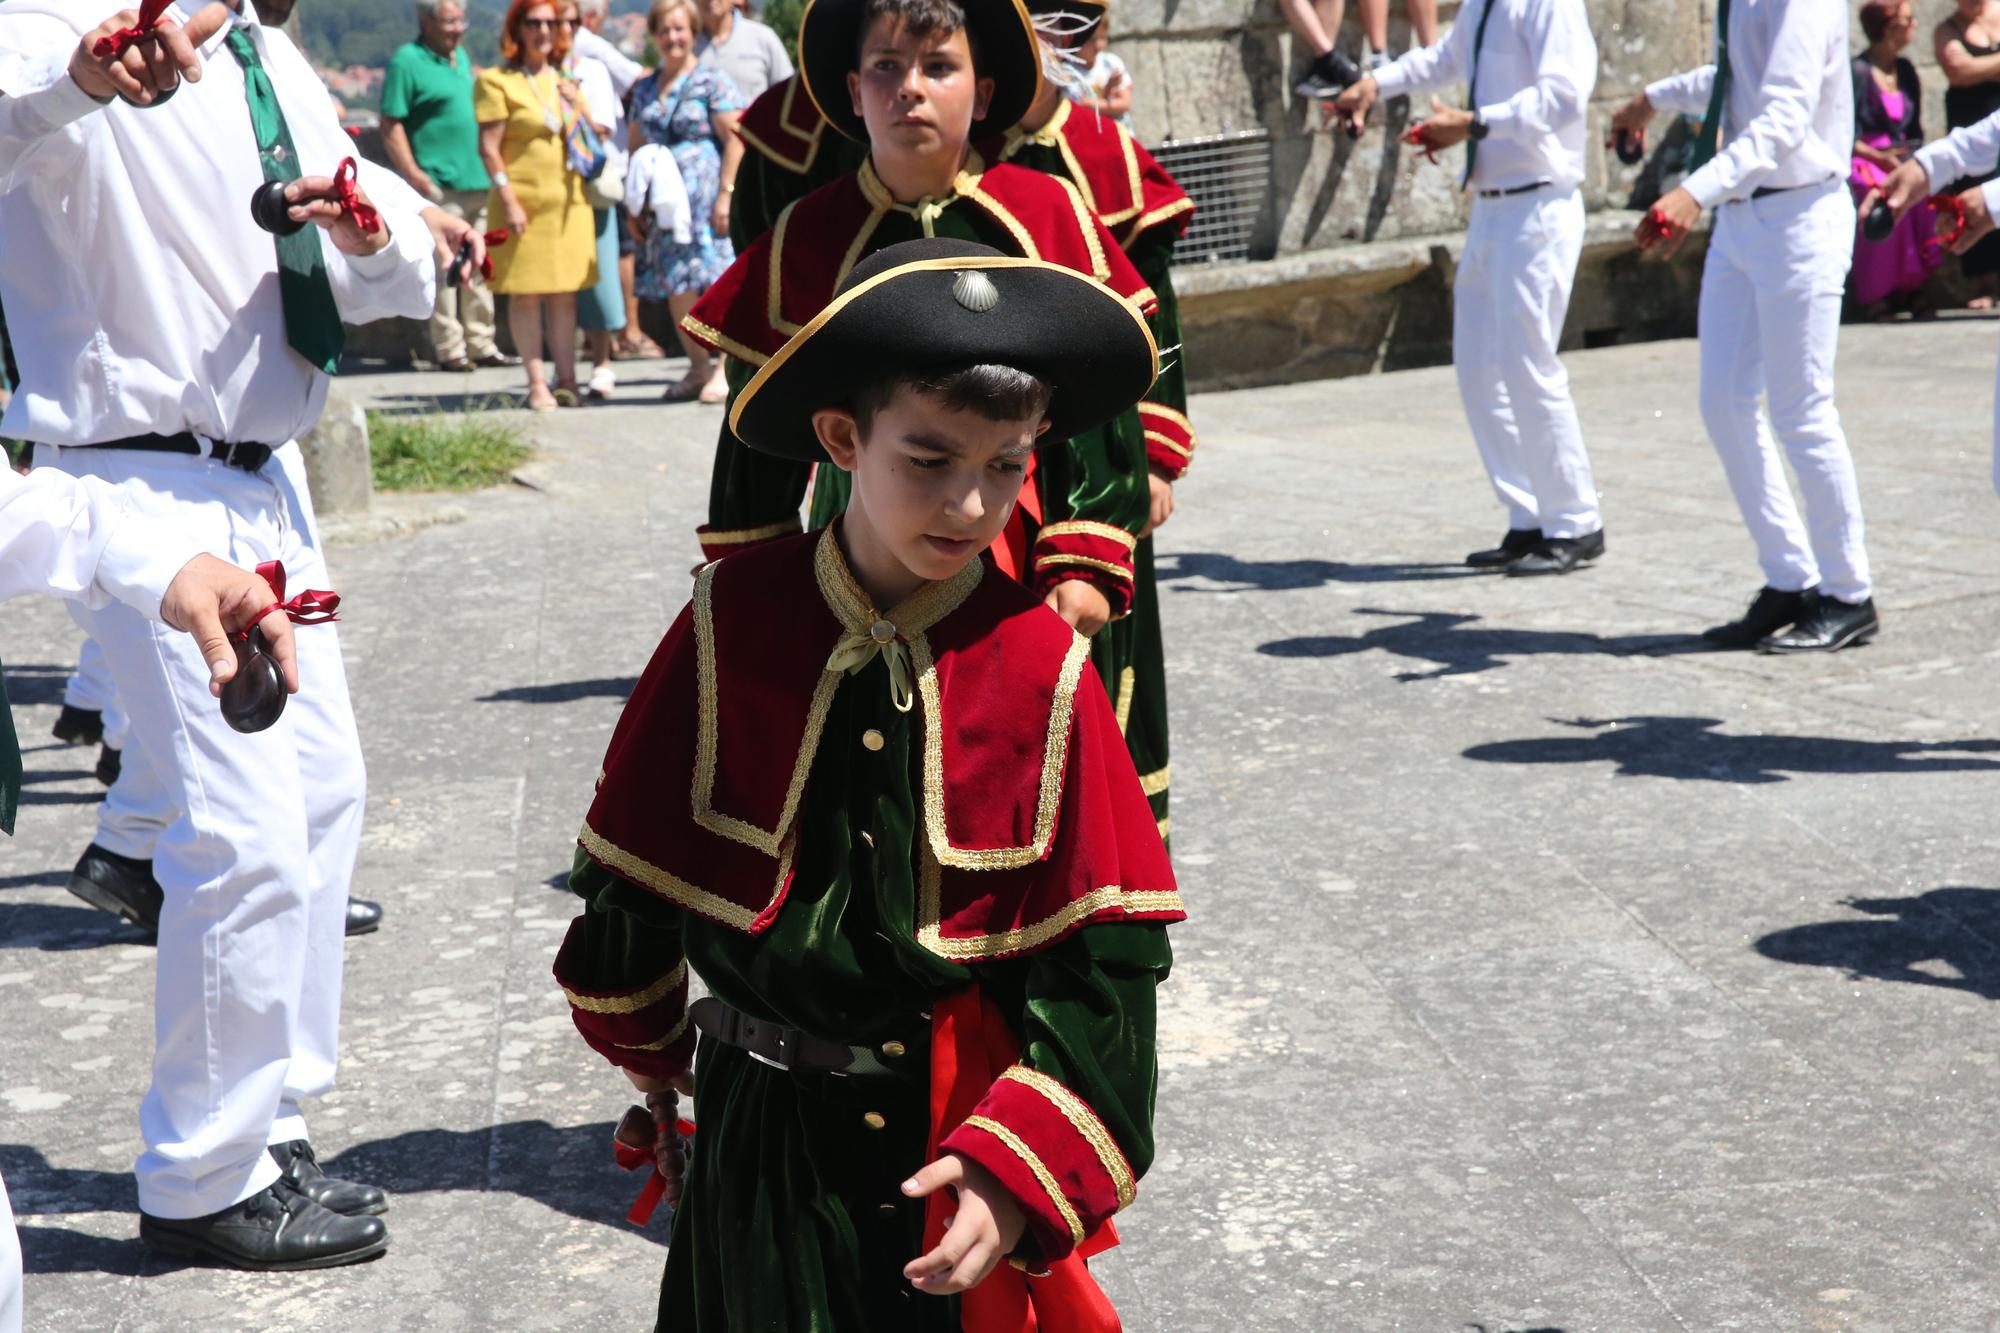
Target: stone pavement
1545,972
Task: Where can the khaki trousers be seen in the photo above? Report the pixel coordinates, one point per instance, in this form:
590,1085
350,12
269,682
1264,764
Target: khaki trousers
462,321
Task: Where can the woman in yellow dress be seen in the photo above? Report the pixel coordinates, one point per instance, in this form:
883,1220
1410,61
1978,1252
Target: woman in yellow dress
524,107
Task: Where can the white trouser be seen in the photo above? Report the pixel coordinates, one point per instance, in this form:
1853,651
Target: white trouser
1508,306
1770,323
89,687
10,1267
139,805
256,865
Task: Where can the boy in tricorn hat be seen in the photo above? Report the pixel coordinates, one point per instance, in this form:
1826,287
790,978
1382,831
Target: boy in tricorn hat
904,849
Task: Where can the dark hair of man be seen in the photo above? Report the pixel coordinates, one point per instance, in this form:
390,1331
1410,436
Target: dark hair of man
919,18
998,393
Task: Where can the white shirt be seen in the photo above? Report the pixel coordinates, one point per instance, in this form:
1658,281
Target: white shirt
1789,116
1537,65
76,537
142,297
752,56
1970,150
606,74
654,182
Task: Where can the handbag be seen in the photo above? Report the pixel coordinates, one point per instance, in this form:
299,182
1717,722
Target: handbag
590,157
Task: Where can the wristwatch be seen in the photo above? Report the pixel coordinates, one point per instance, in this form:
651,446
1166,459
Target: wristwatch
499,179
1480,128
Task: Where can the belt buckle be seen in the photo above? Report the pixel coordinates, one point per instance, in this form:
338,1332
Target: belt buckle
787,1052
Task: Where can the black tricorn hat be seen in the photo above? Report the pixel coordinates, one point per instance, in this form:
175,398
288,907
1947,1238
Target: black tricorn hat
937,305
1003,46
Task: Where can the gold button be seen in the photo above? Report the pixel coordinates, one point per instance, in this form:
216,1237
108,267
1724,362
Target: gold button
882,631
875,1120
872,739
893,1049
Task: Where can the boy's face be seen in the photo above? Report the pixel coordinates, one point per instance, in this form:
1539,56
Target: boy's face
918,95
933,487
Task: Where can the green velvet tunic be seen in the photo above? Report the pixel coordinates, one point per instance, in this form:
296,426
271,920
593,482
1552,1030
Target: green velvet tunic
793,1218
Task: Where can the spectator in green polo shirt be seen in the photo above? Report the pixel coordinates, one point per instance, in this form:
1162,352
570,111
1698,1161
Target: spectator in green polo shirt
432,139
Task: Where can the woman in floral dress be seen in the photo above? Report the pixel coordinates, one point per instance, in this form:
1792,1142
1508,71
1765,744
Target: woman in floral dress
689,105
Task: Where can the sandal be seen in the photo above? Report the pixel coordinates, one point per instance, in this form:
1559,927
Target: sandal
681,391
542,401
567,396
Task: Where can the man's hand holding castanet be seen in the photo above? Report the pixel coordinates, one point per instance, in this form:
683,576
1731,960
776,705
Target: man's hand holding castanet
1902,189
149,69
1351,108
1633,117
319,200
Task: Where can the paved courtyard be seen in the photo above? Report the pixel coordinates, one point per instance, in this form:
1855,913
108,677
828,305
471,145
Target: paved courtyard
1546,972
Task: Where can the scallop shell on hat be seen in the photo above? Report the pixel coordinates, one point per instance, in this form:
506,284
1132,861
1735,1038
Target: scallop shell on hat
975,291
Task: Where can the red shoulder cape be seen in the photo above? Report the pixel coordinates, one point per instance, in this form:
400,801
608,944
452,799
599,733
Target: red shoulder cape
1033,822
1120,181
789,275
784,126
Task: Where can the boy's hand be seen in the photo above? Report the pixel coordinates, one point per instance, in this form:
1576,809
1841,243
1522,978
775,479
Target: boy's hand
1083,606
663,1103
1162,492
985,1230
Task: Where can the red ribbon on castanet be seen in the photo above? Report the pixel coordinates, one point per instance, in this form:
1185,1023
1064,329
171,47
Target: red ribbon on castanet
364,215
116,44
314,606
1418,136
1941,204
632,1159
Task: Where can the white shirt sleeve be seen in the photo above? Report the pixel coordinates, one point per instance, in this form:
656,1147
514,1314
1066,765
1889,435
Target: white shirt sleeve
1786,101
1565,54
624,70
74,537
1970,150
1683,94
1431,66
781,59
37,96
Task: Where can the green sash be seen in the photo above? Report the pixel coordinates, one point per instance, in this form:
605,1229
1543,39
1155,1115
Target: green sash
10,763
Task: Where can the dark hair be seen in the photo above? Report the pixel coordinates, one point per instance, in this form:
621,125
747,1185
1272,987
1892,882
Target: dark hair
998,393
920,18
1875,16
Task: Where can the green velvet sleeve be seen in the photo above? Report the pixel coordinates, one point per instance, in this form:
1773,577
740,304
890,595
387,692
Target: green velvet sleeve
624,972
1152,255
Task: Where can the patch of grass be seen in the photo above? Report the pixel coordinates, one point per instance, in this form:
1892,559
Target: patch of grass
448,451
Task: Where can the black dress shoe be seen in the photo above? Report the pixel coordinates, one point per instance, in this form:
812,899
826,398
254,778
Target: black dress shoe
1328,76
110,763
121,885
79,726
350,1198
1517,543
1770,611
1827,627
363,917
1558,555
274,1230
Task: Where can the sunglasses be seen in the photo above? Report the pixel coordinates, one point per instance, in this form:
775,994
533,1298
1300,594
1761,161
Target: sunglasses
544,23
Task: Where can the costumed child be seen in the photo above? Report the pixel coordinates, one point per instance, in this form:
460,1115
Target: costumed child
787,154
904,849
901,75
1146,210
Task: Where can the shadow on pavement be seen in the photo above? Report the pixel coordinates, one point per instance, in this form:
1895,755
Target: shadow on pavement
1691,747
64,927
562,692
36,683
1285,575
1923,940
1449,640
39,879
569,1170
40,1190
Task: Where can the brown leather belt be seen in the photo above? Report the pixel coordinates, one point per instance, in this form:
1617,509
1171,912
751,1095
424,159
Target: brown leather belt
790,1049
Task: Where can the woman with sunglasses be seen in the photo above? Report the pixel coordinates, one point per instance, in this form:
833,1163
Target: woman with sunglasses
525,109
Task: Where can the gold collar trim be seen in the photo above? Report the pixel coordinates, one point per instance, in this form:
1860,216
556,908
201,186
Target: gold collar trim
911,617
962,185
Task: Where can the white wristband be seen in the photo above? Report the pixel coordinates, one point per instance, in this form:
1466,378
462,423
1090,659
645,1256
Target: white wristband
499,179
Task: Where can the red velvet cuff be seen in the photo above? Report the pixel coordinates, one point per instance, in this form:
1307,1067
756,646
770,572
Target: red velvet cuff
645,1029
1051,1152
1099,553
718,542
1170,439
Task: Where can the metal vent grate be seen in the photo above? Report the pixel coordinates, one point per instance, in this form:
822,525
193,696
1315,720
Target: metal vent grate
1229,177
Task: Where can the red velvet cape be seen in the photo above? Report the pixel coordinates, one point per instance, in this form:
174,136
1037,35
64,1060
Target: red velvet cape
784,126
1033,823
1120,181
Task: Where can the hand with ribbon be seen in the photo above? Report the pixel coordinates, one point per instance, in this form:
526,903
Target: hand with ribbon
338,204
214,600
142,55
1668,223
1447,127
254,697
1351,108
648,1138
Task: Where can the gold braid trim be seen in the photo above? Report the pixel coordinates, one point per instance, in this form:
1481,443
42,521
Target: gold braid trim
1152,409
1166,827
1166,441
734,536
1021,235
860,246
1083,527
672,887
715,337
774,281
1088,226
1014,1144
633,1002
679,1029
1055,749
1057,561
1085,1121
1128,684
707,740
1154,783
1156,217
930,913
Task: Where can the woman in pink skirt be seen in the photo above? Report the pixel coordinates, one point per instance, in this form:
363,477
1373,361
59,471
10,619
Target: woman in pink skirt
1888,127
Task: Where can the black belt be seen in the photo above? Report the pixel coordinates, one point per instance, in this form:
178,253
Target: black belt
1518,189
1766,191
249,457
788,1048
